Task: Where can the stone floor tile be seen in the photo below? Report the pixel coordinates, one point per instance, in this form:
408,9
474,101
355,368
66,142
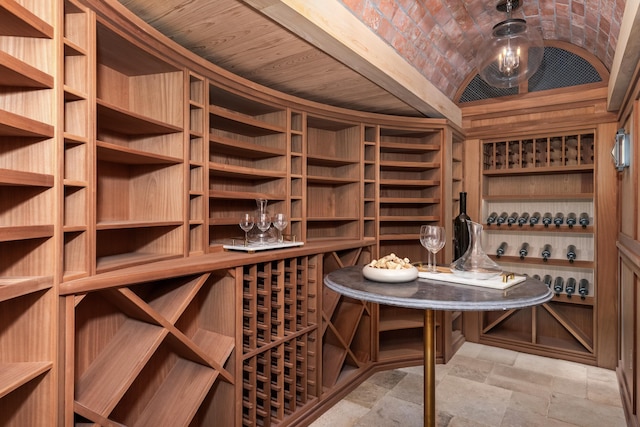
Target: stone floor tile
574,387
367,394
606,392
522,380
498,355
342,414
549,366
471,400
411,389
584,412
524,402
387,379
391,412
470,368
514,418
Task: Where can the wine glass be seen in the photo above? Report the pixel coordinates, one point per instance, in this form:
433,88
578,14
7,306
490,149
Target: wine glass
432,237
280,222
263,222
246,223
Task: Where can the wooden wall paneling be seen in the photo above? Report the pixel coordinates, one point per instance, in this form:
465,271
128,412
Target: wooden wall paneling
606,188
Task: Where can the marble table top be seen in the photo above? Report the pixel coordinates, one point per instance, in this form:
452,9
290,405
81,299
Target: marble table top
436,295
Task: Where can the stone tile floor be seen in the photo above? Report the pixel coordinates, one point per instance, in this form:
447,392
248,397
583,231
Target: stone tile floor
484,386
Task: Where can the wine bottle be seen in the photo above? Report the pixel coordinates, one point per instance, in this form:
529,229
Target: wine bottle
493,217
547,279
583,288
558,285
571,253
584,219
461,229
546,252
534,219
536,276
570,287
558,219
547,219
524,250
524,218
513,218
571,219
502,218
501,249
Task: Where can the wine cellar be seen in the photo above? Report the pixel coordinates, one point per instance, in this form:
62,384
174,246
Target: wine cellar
120,301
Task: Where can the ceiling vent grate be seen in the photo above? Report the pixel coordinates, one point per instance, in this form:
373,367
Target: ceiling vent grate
560,68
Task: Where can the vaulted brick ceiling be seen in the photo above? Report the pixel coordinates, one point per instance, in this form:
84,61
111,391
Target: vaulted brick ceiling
441,37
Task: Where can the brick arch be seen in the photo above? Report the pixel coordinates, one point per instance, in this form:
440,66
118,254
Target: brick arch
441,37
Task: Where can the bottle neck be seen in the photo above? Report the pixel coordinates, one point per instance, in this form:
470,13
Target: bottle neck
463,203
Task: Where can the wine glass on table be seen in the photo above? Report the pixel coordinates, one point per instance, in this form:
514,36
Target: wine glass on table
246,223
280,222
263,222
432,237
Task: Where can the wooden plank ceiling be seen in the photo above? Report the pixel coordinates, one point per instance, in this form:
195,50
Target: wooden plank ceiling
326,52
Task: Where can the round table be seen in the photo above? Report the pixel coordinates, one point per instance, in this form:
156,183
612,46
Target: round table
430,295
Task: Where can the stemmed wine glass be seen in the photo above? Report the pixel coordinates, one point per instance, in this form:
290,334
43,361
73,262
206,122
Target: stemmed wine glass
263,222
280,222
246,223
432,237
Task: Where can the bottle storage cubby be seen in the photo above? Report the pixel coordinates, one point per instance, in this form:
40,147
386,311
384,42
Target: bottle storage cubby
280,320
535,191
176,350
409,188
558,151
198,152
247,160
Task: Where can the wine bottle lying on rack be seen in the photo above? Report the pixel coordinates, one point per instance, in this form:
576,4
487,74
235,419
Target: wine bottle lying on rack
534,219
547,219
536,276
513,218
570,287
571,253
583,288
501,249
558,285
524,250
547,280
571,219
502,218
584,219
524,218
492,218
558,219
546,252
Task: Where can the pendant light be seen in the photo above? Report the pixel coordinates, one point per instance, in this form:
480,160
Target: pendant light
514,52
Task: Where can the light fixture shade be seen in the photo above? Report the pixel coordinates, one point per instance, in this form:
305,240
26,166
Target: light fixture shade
513,55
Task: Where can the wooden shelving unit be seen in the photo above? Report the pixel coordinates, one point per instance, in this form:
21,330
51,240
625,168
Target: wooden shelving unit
118,304
409,188
28,213
247,160
544,174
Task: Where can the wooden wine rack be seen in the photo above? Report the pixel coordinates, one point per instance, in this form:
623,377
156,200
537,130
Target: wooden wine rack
544,174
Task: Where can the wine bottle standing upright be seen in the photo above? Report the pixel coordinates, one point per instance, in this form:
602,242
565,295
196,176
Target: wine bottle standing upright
461,229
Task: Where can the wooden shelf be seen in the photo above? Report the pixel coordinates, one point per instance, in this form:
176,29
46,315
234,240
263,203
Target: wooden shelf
15,125
16,73
14,375
14,287
16,20
25,232
127,122
118,154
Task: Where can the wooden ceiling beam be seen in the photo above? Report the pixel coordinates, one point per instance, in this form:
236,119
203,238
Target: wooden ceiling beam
626,57
329,26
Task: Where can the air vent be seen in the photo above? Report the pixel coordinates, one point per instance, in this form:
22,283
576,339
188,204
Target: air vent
560,68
